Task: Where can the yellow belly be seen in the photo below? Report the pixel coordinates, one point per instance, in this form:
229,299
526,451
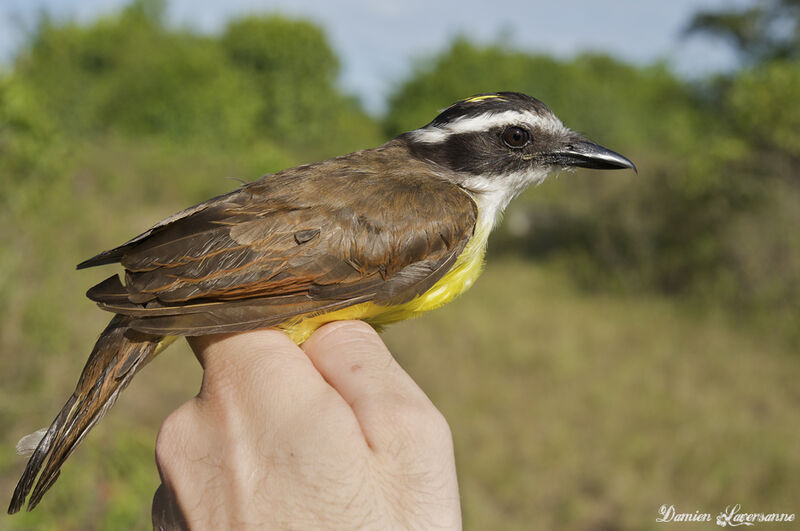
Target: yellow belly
467,268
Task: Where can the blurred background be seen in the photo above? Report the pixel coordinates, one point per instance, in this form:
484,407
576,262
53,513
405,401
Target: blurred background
634,340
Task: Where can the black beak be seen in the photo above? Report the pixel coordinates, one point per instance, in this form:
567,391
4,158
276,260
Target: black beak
585,154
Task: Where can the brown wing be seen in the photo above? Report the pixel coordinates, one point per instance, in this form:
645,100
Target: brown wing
307,240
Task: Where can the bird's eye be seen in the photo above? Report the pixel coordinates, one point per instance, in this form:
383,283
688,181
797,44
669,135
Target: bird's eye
515,137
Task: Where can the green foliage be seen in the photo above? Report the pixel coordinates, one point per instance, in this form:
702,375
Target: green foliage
290,65
128,74
28,145
763,31
763,103
265,78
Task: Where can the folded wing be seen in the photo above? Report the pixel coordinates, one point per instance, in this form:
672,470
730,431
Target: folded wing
308,240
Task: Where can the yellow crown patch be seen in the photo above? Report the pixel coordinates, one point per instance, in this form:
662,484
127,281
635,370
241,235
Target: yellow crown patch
475,99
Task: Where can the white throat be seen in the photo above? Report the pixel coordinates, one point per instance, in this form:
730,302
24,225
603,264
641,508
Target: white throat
493,193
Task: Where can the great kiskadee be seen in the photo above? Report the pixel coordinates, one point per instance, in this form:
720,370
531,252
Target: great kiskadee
381,235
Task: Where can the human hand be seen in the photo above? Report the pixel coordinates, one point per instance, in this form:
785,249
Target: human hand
333,435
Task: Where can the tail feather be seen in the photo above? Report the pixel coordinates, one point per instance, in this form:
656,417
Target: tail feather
118,355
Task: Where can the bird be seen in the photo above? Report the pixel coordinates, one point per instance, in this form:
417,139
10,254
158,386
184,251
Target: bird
381,235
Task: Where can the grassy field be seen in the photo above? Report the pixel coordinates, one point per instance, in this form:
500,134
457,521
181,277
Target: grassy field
569,411
576,411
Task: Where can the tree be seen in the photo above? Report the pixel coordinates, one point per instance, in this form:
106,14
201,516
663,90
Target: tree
266,78
766,30
293,69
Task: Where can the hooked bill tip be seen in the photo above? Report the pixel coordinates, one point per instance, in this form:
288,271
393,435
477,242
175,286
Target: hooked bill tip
587,154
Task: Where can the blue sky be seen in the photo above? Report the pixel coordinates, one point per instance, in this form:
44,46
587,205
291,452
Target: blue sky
378,40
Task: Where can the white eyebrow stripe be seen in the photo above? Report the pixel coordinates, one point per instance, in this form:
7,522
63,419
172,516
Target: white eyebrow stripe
486,121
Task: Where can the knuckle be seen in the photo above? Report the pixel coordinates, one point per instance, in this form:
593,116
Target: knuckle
419,419
433,427
174,431
439,427
223,382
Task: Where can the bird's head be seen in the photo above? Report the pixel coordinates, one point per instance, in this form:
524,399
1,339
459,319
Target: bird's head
496,145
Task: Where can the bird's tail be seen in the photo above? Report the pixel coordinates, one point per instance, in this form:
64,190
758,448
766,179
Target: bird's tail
117,356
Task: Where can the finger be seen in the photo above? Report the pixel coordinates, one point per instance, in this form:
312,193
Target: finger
165,513
351,356
207,347
255,368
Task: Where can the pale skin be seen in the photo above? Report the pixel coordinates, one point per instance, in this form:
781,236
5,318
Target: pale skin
330,435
